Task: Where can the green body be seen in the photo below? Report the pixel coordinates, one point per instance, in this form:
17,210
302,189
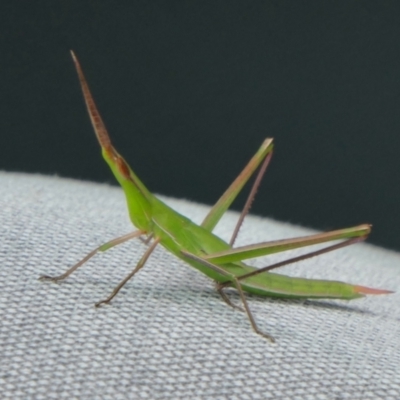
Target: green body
176,232
199,247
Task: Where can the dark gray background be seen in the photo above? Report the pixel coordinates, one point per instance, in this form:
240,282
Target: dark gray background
189,90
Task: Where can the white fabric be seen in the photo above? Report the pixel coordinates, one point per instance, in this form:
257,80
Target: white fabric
168,334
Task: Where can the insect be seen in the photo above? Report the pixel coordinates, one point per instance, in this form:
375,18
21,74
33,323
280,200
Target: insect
157,223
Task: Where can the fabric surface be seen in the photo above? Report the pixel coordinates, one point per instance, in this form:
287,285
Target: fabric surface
168,334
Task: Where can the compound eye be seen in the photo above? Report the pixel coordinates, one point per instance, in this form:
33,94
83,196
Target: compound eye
122,167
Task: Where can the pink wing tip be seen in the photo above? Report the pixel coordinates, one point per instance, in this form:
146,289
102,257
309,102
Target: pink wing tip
367,290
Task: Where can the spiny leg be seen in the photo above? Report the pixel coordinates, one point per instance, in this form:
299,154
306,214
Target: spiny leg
237,285
297,259
238,254
147,240
230,194
226,298
250,197
248,312
139,265
221,286
103,247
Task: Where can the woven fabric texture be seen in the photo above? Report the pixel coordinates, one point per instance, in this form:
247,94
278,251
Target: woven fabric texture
168,334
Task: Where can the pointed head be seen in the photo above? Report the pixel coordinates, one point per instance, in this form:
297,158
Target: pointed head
97,122
116,162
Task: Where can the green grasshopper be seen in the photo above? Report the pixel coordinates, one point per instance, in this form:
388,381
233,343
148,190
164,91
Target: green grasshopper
195,244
